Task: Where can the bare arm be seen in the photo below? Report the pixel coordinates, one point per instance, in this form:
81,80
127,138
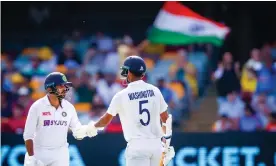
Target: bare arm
30,147
104,120
164,116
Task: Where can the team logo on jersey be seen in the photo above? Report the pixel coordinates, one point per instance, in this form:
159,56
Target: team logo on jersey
64,114
55,123
46,113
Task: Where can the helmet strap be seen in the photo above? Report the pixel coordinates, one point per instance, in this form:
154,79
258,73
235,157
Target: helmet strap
127,80
54,92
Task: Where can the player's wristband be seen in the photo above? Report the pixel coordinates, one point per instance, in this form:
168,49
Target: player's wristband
167,137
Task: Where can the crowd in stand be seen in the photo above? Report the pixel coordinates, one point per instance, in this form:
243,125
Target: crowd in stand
247,96
92,65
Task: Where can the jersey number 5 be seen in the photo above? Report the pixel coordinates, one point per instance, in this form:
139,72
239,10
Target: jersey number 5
144,110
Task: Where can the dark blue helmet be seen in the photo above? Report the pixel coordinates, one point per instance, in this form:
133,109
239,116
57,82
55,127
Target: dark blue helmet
54,79
135,65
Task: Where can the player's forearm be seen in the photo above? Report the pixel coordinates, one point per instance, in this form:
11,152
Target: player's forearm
105,120
164,129
101,123
30,147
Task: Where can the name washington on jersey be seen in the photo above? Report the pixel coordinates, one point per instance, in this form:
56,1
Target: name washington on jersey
141,94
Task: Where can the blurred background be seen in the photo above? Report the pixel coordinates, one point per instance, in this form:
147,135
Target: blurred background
214,92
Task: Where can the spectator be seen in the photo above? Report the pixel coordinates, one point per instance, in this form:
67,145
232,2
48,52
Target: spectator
98,109
226,77
72,67
183,70
48,59
255,60
172,100
36,67
17,81
93,57
107,87
24,101
249,75
6,104
250,121
81,45
124,51
233,107
223,124
68,53
112,61
16,123
266,54
248,83
167,93
84,89
271,126
104,43
260,104
265,83
8,70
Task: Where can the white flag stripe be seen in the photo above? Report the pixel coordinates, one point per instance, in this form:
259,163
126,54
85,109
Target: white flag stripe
188,25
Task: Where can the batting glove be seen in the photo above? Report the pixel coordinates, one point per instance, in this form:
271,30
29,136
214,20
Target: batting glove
32,161
92,131
169,155
80,132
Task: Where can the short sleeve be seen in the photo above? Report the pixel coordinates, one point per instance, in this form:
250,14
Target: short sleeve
115,105
31,123
74,123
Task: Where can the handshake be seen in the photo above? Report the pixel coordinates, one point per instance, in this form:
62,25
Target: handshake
85,130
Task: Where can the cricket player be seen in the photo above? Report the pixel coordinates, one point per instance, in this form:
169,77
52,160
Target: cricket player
47,125
140,106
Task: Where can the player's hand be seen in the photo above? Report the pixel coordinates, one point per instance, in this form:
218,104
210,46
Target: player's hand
92,131
32,161
80,132
169,155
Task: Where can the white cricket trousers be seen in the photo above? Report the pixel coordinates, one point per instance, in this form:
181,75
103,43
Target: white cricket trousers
52,157
144,152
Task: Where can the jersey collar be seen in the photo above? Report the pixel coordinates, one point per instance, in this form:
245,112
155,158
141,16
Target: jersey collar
136,82
46,100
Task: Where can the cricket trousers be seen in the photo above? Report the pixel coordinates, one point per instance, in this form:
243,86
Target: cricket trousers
52,157
144,152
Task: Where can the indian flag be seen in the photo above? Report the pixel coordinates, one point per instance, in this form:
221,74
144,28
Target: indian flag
176,24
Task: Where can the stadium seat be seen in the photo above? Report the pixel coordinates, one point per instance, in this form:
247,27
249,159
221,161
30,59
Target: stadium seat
149,63
178,89
35,84
45,53
21,61
29,51
61,68
169,56
83,107
38,95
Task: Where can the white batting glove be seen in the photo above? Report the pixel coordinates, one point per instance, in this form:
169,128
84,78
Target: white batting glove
80,132
91,131
169,155
32,161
